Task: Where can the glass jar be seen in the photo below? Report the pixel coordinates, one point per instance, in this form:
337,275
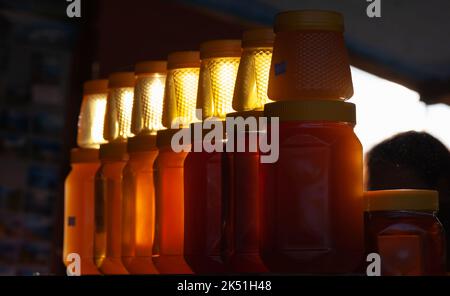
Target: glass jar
203,206
402,227
138,222
138,212
203,170
108,209
169,236
310,60
178,113
241,245
79,185
312,197
79,209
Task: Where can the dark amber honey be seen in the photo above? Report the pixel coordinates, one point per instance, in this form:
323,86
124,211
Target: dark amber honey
204,212
312,200
401,226
169,236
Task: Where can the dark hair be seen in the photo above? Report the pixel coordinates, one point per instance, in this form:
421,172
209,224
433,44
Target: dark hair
417,151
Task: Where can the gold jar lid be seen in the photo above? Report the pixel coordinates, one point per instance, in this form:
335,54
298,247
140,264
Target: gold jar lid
81,155
95,87
261,37
183,59
164,137
114,151
402,200
305,20
142,143
150,67
221,48
312,110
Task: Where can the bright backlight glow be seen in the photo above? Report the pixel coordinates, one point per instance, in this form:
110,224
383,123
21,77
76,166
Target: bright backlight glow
385,109
90,123
222,72
148,104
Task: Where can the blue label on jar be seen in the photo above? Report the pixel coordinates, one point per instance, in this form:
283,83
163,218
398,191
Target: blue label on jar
72,221
280,68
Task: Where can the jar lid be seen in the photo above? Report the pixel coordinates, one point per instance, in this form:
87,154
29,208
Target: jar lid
183,59
262,37
114,151
164,137
304,20
200,126
92,87
402,200
83,155
142,143
221,48
312,110
150,67
122,79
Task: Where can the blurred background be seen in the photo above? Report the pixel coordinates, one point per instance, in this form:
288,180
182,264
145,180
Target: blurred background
400,66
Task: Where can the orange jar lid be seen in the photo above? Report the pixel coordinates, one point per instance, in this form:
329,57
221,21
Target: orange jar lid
402,200
221,48
82,155
262,37
92,87
142,143
164,137
312,110
114,151
150,67
183,59
305,20
122,80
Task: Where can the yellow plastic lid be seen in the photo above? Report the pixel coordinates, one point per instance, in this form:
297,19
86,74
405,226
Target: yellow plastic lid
92,87
183,59
142,143
221,48
402,200
114,151
262,37
81,155
150,67
312,110
122,79
301,20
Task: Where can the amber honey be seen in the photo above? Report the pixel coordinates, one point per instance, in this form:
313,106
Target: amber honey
108,209
204,211
242,204
79,209
402,227
138,223
312,197
169,240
